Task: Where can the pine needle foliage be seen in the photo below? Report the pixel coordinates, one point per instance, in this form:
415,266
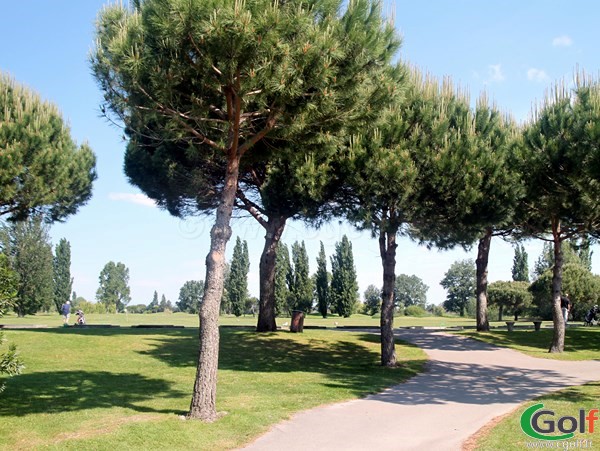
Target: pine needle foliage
561,157
42,169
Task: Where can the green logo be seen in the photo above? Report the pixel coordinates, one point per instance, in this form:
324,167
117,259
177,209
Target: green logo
539,424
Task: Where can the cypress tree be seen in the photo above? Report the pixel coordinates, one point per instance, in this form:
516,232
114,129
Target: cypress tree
282,275
322,282
27,246
10,363
63,282
300,282
344,286
520,269
237,282
153,306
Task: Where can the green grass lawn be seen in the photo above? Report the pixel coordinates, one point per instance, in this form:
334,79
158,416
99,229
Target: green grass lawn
507,434
126,388
184,319
581,343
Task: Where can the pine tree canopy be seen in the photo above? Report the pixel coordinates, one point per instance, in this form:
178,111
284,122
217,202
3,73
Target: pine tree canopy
42,170
192,86
431,166
561,159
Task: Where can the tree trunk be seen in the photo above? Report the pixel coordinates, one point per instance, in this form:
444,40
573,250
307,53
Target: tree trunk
483,254
266,310
387,249
500,311
203,405
558,340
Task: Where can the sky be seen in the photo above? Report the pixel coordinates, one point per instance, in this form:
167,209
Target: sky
513,50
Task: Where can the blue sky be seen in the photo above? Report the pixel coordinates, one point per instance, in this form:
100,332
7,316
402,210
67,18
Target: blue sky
513,50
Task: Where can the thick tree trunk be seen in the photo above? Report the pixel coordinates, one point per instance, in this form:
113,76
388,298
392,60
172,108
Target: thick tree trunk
266,312
483,254
387,249
500,312
558,340
203,405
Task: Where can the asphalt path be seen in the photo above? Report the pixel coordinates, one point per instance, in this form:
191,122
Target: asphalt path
465,386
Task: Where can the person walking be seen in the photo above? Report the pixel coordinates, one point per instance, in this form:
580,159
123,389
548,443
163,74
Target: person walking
565,306
66,312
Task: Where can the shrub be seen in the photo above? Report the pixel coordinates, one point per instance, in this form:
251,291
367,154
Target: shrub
415,310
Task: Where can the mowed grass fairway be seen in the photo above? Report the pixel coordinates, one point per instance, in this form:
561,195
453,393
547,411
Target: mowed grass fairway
126,388
188,320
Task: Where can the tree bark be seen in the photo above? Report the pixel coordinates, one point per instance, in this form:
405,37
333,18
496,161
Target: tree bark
483,254
387,250
266,311
500,311
558,340
203,405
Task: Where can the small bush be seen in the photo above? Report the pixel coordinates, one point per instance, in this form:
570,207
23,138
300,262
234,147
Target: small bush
415,310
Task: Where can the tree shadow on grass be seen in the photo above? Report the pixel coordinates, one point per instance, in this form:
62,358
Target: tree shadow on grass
345,363
68,391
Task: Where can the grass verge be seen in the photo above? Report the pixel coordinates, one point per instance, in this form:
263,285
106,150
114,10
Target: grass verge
126,388
581,343
189,320
507,434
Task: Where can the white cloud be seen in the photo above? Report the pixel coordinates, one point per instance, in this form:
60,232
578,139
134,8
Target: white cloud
537,75
562,41
495,73
139,199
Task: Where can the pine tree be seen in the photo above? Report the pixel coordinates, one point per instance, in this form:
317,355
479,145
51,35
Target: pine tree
520,269
561,162
300,283
427,168
27,246
344,286
322,282
63,282
54,175
197,91
237,282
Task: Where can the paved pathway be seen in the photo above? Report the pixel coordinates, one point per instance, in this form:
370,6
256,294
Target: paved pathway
466,385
